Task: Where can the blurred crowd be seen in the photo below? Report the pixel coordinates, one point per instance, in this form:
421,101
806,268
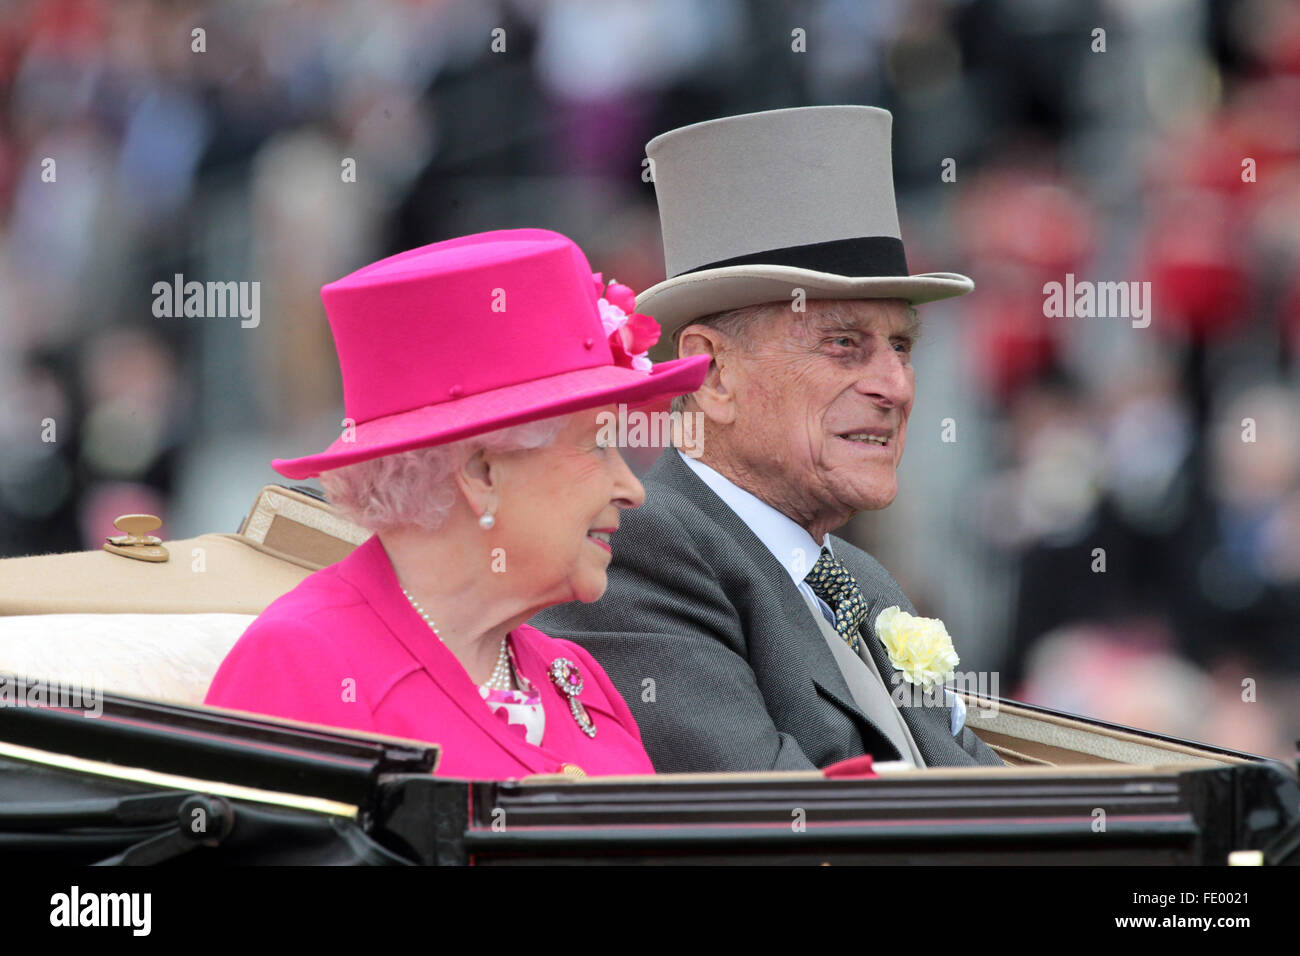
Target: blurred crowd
1115,529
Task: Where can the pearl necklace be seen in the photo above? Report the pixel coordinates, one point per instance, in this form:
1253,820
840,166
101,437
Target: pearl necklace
501,678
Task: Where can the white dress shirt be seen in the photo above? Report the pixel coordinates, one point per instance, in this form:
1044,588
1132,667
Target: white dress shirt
791,545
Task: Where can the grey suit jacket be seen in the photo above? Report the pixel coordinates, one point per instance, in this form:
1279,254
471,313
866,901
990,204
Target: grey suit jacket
707,638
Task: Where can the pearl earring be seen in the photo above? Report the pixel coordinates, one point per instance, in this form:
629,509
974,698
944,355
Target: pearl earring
486,521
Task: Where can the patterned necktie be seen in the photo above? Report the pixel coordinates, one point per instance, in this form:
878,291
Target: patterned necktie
831,581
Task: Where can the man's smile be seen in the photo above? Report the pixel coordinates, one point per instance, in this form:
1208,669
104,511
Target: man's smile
869,439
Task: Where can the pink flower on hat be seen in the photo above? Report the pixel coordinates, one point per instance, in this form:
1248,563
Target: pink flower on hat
631,335
620,295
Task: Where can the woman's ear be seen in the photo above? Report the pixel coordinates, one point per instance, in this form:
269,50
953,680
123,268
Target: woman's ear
716,397
479,480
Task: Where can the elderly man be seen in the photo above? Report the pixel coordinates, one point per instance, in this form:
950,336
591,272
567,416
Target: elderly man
742,633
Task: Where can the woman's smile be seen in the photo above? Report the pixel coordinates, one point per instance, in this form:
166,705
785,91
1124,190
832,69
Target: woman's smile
601,538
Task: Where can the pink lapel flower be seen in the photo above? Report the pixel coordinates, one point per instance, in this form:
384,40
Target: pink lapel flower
631,335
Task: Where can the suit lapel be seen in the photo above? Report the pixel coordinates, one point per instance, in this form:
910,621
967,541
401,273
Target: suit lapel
930,726
805,630
925,722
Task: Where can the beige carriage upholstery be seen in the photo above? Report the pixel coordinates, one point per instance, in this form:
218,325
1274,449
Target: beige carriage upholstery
168,657
286,536
1022,737
159,630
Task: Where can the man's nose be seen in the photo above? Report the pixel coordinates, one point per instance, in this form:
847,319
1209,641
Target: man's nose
888,375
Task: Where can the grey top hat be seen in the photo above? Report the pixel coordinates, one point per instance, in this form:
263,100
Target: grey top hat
753,207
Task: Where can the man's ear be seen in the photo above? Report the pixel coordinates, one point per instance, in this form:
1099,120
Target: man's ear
716,398
479,480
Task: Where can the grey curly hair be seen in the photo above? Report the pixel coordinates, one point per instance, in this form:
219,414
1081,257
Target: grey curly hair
415,488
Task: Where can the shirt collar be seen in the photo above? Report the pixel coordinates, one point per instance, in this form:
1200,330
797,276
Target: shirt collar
792,546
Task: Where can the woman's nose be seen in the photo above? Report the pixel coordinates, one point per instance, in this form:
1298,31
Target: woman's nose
628,490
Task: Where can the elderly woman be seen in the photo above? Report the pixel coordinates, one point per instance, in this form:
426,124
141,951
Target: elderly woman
475,374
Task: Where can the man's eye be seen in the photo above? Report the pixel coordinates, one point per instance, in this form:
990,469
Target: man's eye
844,341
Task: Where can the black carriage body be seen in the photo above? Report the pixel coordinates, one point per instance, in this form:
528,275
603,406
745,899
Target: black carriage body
127,786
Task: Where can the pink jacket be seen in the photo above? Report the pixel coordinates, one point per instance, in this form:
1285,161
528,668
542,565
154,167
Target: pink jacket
346,649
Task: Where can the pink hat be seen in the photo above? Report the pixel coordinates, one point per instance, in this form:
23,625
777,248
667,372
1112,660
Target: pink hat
478,333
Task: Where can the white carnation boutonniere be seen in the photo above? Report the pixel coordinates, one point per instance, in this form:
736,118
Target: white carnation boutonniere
918,646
